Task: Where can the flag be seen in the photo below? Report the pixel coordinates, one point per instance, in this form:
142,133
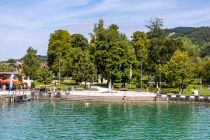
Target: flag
110,85
11,81
157,86
29,82
130,71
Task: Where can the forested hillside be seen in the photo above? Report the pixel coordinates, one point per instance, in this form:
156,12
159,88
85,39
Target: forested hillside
198,35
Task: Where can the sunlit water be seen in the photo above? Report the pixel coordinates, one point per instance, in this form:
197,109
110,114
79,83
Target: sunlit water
79,120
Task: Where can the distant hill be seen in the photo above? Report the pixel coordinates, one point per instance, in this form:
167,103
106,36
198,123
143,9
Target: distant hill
198,35
42,58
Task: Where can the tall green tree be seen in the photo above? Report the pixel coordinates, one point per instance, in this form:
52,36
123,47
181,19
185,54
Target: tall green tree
78,40
58,48
44,76
160,47
155,26
139,43
84,69
79,66
31,63
104,39
179,69
156,36
202,70
121,59
190,48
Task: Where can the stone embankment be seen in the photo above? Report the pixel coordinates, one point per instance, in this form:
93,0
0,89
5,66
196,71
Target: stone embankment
15,96
102,94
183,98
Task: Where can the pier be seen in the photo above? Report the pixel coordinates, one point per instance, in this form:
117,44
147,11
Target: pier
16,96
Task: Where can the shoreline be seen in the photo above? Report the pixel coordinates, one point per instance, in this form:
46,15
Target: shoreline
103,95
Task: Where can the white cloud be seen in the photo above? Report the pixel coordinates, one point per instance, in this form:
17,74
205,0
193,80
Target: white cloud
30,24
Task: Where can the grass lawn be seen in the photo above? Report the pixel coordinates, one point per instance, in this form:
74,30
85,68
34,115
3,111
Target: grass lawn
204,92
127,85
188,91
63,85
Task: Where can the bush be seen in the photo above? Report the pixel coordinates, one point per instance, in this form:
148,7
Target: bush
33,85
117,85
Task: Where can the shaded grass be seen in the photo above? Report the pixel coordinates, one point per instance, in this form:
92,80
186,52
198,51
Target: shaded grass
204,91
63,85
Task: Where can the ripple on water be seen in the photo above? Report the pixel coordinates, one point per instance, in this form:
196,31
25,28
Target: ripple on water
77,120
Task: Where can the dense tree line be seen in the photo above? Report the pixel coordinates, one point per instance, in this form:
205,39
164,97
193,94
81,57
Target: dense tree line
33,69
198,35
111,54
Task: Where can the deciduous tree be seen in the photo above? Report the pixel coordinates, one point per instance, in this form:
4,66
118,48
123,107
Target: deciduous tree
58,47
104,39
179,69
79,66
44,76
121,58
78,40
31,63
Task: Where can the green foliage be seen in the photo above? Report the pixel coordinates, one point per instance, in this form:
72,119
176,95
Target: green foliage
120,59
205,51
58,47
203,70
44,76
198,35
105,39
78,40
112,55
155,28
31,63
33,85
11,61
179,69
83,69
140,42
79,66
6,68
190,48
160,51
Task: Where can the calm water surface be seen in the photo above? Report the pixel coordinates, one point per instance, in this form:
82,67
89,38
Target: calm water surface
57,120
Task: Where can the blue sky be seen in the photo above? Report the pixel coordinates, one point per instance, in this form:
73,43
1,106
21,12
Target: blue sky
25,23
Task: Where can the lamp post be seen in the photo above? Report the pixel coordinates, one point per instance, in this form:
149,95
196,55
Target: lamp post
130,74
141,74
59,74
201,84
160,78
160,74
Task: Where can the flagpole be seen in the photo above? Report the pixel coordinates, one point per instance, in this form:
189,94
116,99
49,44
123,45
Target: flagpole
141,74
130,74
110,85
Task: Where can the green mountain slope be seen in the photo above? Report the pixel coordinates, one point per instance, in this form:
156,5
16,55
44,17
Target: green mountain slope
198,35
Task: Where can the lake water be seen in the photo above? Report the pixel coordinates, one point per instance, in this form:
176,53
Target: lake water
57,120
